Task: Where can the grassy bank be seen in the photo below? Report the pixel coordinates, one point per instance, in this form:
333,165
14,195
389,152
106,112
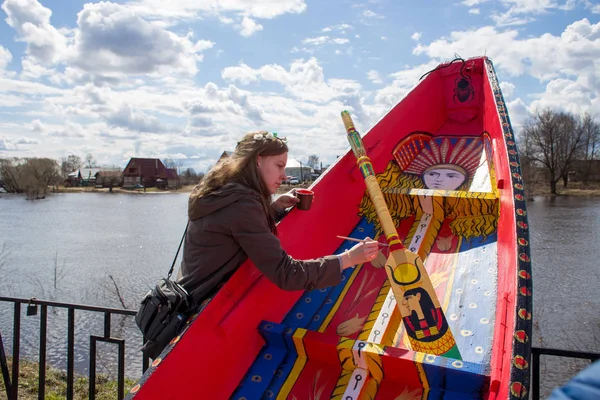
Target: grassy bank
56,384
573,189
183,189
533,189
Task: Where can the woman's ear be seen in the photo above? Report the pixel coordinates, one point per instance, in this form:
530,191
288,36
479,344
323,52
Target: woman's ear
258,161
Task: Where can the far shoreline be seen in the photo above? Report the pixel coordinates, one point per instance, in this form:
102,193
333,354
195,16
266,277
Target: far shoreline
575,189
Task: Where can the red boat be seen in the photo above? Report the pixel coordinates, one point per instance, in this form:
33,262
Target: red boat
447,165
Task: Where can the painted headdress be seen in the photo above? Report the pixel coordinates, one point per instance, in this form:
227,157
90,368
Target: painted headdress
420,151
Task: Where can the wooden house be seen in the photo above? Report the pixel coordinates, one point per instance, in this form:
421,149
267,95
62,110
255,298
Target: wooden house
148,172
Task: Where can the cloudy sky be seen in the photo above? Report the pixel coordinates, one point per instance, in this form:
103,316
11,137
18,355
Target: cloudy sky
184,79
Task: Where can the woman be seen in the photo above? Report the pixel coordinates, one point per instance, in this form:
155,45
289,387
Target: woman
232,218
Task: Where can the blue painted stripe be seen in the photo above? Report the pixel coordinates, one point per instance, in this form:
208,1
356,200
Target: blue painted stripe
256,381
285,367
452,379
362,230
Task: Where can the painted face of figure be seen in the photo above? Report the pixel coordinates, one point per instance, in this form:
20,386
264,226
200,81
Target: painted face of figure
442,177
412,302
272,170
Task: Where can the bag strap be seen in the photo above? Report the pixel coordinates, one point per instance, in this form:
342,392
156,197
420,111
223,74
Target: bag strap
176,254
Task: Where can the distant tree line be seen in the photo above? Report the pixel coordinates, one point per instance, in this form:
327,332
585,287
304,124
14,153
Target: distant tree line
34,176
557,145
31,176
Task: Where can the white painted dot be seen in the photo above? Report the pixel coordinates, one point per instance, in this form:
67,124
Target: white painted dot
490,270
466,332
484,321
488,293
459,291
479,350
457,364
453,317
462,270
473,305
474,281
430,358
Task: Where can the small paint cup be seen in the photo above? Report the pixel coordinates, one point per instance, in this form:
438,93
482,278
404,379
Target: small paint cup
306,198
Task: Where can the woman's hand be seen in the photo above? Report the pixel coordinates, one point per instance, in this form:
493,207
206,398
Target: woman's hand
361,253
286,200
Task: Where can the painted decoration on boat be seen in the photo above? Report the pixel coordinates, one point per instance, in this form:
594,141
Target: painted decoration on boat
519,374
420,308
454,192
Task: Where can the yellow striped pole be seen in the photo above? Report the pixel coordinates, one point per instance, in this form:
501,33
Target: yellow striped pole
419,306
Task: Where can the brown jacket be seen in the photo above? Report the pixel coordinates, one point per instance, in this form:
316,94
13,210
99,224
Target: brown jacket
228,226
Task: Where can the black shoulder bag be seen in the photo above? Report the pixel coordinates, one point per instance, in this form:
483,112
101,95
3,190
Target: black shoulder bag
163,311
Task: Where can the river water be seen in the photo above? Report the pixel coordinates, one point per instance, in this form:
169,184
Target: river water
65,248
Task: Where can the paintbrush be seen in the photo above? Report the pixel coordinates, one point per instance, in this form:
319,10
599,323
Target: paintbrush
358,240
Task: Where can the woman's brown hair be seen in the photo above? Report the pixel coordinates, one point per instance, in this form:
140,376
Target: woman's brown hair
241,167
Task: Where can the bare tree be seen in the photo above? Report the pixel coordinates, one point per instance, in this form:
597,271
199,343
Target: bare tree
313,161
551,140
90,161
31,176
170,163
70,164
591,145
11,173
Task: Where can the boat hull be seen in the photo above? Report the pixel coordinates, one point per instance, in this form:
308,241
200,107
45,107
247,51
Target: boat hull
447,164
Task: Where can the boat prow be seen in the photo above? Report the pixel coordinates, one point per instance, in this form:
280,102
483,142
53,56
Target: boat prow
448,168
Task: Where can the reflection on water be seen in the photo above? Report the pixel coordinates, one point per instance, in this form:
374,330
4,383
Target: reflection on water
564,234
134,237
82,239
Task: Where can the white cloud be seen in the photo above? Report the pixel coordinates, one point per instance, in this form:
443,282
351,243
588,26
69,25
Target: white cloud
568,95
374,77
322,40
30,70
516,11
340,27
186,10
5,58
31,20
372,14
576,52
316,41
70,130
340,41
404,81
305,80
519,113
249,27
111,39
125,117
471,3
508,19
508,89
416,36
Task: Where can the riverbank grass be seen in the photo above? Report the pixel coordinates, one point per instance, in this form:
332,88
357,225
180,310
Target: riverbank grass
573,189
56,384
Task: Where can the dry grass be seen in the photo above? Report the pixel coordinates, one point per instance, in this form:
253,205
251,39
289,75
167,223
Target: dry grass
56,384
573,189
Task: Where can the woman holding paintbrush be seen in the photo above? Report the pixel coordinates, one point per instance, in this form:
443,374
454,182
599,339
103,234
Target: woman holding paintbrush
232,218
